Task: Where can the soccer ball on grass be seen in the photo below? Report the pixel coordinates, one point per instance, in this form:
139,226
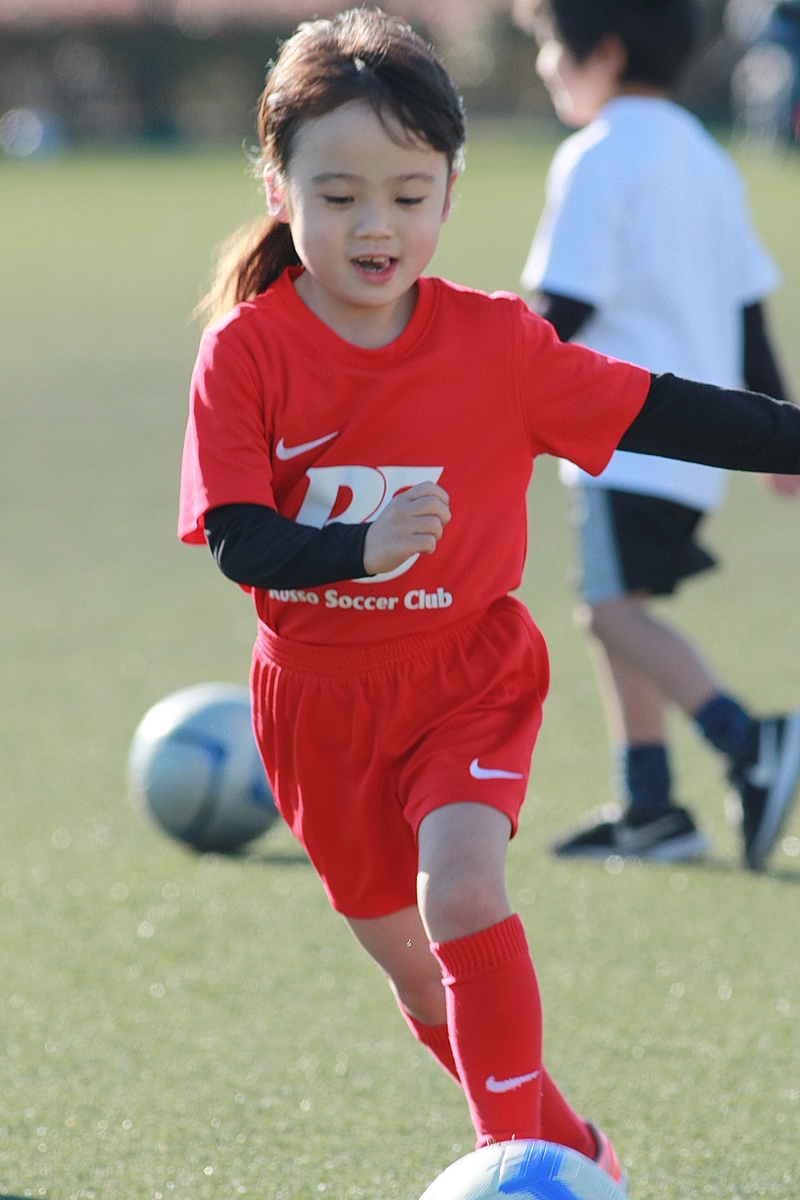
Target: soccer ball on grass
193,764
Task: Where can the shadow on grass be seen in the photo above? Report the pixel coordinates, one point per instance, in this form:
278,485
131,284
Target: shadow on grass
783,876
727,866
711,866
273,856
276,858
8,1196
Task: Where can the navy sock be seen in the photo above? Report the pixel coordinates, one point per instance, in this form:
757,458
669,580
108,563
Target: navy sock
725,724
646,779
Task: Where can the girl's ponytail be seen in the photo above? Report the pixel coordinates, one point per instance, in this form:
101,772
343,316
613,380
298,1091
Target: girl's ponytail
249,261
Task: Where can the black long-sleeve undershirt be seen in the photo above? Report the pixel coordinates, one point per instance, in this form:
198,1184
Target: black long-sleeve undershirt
696,422
721,427
256,546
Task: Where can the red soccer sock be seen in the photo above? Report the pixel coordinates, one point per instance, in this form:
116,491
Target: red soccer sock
437,1041
494,1019
561,1124
500,957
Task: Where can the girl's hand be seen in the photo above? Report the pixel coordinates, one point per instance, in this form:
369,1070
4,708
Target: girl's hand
411,523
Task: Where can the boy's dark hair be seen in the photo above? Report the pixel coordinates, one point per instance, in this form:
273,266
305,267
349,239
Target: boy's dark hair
658,35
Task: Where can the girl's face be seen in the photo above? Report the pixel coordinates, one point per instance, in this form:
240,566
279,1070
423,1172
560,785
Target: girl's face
580,89
365,213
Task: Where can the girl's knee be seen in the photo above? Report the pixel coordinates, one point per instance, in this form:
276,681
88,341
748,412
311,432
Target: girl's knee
461,879
457,903
416,980
422,997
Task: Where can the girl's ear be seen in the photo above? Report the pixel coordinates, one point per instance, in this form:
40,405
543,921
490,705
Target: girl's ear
276,195
448,200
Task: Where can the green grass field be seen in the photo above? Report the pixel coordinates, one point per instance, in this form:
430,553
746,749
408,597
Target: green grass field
188,1028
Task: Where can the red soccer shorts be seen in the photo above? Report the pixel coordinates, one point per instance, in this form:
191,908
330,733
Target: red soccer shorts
361,742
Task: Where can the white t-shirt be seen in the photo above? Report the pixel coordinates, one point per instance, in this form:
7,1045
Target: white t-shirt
647,220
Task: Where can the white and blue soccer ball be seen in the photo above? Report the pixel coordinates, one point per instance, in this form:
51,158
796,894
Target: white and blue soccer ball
529,1170
194,766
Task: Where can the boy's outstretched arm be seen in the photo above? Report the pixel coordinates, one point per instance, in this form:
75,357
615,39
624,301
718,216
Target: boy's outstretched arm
720,427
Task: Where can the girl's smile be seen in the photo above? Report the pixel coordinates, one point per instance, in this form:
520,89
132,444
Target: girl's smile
365,203
375,268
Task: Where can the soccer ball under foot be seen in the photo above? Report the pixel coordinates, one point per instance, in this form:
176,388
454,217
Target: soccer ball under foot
529,1170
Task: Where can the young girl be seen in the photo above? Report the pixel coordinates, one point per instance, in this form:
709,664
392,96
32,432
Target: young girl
358,449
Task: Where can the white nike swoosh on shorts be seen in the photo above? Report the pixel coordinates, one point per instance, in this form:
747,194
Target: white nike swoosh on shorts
499,1086
285,452
490,773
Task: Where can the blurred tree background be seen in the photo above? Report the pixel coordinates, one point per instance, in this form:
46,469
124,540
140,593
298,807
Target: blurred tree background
104,71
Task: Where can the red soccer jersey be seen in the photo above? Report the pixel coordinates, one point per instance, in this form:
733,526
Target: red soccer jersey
286,413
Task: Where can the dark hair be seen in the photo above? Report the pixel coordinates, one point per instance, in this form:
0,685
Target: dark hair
362,54
658,35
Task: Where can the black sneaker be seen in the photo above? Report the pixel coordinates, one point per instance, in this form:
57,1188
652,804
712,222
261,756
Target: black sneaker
671,836
767,786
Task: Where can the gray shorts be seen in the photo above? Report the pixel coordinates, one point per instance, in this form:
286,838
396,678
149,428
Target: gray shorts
633,543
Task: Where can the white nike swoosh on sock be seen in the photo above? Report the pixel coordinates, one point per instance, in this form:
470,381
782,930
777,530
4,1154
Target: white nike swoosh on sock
285,452
509,1085
489,773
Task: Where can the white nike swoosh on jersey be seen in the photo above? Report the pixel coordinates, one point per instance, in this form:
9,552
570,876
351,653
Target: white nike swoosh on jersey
286,452
508,1085
489,773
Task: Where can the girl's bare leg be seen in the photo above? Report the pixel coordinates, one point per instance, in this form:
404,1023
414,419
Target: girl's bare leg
461,888
399,945
461,881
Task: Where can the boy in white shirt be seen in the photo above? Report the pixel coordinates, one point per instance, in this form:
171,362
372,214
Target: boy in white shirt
646,252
